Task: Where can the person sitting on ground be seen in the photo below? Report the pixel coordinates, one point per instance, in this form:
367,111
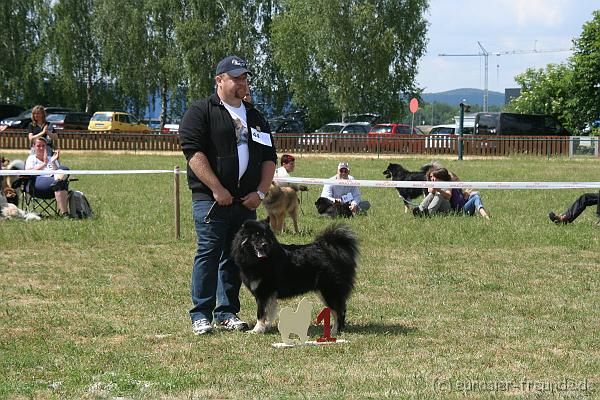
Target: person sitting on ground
40,128
466,201
437,200
288,164
583,201
45,184
342,194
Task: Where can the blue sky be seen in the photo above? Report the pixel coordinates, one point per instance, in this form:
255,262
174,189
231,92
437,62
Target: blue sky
500,26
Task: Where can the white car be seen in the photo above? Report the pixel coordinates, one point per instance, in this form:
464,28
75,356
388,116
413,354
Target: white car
170,128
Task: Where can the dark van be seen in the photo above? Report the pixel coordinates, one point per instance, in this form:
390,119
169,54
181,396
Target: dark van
501,123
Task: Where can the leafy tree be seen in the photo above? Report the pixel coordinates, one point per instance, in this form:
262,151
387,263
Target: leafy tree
210,30
569,91
76,47
547,91
23,58
586,74
350,56
125,55
165,69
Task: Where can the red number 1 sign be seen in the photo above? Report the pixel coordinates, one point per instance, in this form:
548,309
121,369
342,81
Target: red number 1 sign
324,316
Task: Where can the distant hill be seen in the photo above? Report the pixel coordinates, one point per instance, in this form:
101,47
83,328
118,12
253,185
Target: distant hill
472,96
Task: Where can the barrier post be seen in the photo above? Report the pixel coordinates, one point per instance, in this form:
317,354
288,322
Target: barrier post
177,208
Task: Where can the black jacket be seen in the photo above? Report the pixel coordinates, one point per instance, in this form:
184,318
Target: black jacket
207,127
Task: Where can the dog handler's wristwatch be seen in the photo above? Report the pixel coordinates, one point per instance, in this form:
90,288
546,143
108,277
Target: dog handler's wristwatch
260,194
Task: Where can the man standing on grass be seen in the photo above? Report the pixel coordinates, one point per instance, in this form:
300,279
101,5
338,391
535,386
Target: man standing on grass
231,161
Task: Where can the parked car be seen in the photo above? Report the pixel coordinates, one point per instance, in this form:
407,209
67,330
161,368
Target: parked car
153,123
75,121
345,127
170,128
441,137
115,121
292,122
285,125
22,120
449,130
382,134
335,130
443,130
393,129
9,110
595,125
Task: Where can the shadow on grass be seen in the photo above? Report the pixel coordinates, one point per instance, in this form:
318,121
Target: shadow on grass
364,329
380,329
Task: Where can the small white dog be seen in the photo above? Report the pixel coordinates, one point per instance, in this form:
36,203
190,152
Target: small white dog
10,211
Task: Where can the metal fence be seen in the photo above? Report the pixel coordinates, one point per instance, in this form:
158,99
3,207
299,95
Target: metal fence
549,146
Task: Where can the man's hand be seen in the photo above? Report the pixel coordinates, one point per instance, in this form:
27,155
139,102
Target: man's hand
223,197
251,201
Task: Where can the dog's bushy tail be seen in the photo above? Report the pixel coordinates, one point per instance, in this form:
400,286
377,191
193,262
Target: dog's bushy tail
431,165
341,243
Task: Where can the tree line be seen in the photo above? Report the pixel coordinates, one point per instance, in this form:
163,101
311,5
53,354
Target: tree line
330,57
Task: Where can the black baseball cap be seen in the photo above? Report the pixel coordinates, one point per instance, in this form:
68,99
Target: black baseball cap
233,66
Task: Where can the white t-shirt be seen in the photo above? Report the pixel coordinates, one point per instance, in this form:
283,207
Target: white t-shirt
33,162
281,172
238,114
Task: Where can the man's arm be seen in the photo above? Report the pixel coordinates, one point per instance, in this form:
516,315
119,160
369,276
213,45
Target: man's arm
355,191
251,200
328,192
201,168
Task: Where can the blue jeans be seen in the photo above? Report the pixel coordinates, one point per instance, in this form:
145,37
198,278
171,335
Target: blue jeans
473,204
216,281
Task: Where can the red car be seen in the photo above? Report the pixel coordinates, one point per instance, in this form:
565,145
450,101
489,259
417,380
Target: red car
393,130
381,133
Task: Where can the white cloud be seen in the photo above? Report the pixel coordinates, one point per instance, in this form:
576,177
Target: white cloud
538,12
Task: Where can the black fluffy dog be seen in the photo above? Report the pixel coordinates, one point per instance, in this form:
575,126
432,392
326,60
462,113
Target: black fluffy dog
326,206
272,271
398,173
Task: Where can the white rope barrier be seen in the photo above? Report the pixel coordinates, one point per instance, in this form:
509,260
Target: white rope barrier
444,185
355,182
22,172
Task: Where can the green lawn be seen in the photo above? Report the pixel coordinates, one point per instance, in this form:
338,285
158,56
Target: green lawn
443,307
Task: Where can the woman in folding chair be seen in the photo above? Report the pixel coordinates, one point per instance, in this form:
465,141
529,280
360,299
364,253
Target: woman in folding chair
46,184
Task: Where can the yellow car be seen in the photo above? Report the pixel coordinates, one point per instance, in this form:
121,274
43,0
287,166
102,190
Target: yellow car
116,122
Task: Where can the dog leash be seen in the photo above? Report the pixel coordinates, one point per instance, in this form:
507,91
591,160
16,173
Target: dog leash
412,203
212,207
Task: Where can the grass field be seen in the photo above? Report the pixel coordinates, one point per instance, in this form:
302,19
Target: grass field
444,307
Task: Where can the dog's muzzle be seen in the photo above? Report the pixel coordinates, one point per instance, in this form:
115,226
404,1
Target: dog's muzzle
261,249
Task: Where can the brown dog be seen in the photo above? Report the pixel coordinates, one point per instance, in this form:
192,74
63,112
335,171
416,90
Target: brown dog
279,201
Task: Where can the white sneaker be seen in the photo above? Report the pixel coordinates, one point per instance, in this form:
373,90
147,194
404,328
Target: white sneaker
201,326
233,323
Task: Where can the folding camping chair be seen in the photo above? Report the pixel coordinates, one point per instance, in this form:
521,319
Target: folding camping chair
42,203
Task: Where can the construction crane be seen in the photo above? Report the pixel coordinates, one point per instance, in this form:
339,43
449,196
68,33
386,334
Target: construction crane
485,54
